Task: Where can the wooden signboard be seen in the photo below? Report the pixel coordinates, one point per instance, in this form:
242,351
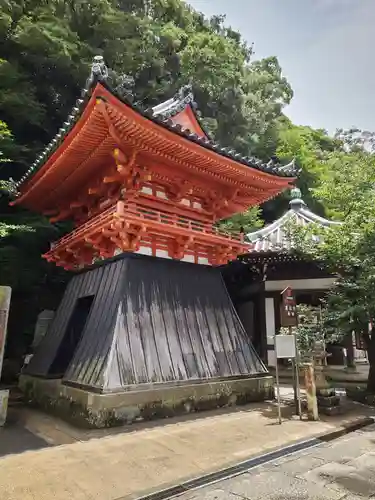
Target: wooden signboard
5,293
288,309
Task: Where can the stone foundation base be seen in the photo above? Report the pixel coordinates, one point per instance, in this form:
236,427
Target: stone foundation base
89,409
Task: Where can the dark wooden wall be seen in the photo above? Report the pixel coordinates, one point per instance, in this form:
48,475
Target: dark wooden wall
152,321
106,283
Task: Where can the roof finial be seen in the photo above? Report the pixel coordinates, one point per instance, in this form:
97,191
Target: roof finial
296,201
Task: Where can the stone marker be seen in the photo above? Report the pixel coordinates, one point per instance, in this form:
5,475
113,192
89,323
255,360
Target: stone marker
44,320
4,396
5,294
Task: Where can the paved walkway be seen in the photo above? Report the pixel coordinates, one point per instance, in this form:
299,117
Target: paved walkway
342,469
127,463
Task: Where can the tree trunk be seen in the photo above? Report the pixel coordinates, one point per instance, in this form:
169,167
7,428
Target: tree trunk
348,343
371,359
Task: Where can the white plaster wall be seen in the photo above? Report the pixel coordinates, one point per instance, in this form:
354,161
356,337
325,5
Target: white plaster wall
203,260
307,284
162,253
188,258
161,194
144,251
270,329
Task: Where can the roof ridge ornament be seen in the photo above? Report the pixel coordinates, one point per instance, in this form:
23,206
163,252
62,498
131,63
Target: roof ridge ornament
122,84
99,70
185,93
125,86
290,168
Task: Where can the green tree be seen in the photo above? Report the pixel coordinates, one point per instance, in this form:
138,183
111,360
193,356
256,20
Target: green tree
311,330
309,148
24,237
347,189
48,45
266,93
245,222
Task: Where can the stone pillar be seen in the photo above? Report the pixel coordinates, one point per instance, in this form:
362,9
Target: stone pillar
4,396
44,320
5,295
319,355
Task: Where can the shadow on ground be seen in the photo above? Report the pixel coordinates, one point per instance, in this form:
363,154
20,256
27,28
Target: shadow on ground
15,438
271,411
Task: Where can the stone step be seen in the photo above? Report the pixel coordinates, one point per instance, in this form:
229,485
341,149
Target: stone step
328,401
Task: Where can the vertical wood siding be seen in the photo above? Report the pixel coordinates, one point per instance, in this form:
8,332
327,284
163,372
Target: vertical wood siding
152,321
103,282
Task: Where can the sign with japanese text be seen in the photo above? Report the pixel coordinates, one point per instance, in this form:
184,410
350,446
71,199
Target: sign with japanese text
288,308
5,294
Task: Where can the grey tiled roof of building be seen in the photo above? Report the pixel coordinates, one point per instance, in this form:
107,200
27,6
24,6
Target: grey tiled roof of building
275,238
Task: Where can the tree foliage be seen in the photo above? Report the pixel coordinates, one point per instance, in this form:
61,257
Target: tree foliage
311,331
245,222
346,188
309,148
48,46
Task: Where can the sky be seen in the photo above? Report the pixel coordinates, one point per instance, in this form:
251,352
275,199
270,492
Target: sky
325,47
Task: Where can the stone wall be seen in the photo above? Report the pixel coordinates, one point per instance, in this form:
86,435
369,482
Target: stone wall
88,409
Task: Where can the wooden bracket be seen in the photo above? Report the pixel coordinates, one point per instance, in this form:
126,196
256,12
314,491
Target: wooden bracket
63,214
178,191
178,247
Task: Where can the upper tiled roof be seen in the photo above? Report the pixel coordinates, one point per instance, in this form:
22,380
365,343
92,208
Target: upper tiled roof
274,237
160,114
176,104
174,109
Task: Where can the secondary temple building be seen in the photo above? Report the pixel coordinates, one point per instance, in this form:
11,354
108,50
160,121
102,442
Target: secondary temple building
258,277
146,326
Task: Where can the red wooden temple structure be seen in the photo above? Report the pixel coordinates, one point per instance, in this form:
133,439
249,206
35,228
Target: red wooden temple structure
148,182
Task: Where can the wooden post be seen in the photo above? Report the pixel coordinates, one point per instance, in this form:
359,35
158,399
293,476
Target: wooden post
298,389
295,378
312,402
288,318
278,393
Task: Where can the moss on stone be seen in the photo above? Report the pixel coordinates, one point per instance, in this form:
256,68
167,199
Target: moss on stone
53,399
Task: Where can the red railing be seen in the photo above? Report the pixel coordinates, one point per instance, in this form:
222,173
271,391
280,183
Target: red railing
88,227
139,213
171,219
